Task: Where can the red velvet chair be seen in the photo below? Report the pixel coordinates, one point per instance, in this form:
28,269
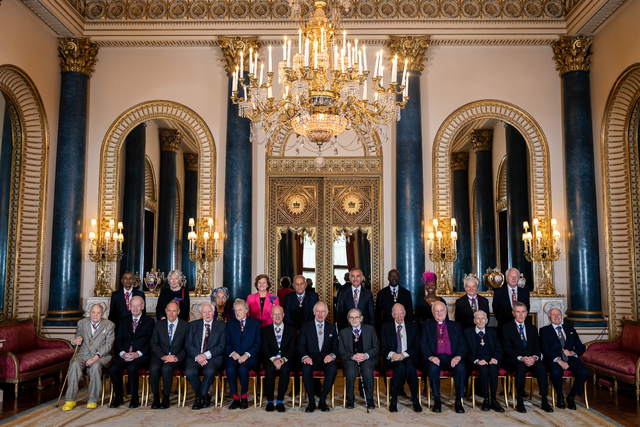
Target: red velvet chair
618,358
27,355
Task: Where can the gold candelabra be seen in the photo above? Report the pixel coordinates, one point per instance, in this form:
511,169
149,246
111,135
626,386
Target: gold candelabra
203,252
542,246
105,250
442,248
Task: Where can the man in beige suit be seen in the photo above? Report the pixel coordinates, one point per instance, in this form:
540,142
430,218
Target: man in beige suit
95,337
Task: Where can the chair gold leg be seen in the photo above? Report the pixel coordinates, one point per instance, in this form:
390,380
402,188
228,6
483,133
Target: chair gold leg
261,389
419,391
388,382
333,396
473,391
344,394
378,390
553,394
428,394
300,405
450,388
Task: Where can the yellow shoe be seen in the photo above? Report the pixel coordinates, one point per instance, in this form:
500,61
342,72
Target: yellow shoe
92,405
69,405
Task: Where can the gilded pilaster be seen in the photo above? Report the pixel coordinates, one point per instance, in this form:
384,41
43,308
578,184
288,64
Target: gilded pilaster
77,55
191,162
571,53
459,160
481,139
231,48
412,48
170,139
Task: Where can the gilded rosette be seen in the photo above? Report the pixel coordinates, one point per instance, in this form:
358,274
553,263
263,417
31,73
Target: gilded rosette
481,139
571,53
231,48
77,55
411,48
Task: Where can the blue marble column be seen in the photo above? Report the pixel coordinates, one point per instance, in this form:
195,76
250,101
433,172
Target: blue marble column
462,214
165,247
133,205
6,160
190,210
583,256
517,201
482,140
67,226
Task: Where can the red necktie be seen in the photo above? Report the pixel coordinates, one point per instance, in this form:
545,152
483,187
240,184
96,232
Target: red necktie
126,298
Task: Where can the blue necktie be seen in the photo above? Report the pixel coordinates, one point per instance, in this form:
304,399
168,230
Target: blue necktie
524,340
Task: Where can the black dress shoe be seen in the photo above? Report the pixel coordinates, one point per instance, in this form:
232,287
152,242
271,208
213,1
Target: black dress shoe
437,405
370,404
525,395
545,405
155,404
571,403
310,407
496,406
165,403
393,407
323,406
417,407
117,401
134,402
280,407
560,402
486,405
350,404
243,403
206,401
235,404
520,406
459,407
269,407
198,403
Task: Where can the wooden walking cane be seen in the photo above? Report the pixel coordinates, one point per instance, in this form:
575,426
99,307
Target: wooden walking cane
67,376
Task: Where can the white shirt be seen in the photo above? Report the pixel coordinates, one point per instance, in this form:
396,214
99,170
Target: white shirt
475,362
272,358
204,331
139,352
403,340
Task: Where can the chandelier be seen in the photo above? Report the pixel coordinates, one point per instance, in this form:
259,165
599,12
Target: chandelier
324,86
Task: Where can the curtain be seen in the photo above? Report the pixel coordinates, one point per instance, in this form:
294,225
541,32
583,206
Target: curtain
287,256
364,254
351,253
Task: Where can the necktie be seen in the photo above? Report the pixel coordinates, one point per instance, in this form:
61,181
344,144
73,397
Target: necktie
242,325
355,297
94,328
170,333
481,334
278,339
126,298
524,340
513,297
135,325
357,333
320,337
399,339
474,307
205,342
394,291
562,343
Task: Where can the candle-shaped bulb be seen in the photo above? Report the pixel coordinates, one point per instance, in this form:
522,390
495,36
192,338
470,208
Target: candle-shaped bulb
525,225
192,222
439,234
210,222
538,234
453,222
216,236
431,235
435,223
92,236
107,235
111,223
454,235
115,237
556,234
206,236
121,238
120,226
524,237
94,223
553,222
535,222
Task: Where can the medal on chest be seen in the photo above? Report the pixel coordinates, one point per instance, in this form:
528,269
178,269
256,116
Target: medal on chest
440,335
482,341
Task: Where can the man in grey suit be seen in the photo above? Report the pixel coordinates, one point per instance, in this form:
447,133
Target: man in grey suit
167,347
205,347
95,337
359,350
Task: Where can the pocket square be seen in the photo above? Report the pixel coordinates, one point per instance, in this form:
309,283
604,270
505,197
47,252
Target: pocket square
330,335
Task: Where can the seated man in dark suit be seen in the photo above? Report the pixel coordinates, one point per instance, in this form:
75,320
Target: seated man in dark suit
506,296
390,295
467,305
243,346
562,347
205,346
277,353
484,354
443,349
399,349
317,347
167,346
359,351
298,305
522,354
132,351
355,297
121,299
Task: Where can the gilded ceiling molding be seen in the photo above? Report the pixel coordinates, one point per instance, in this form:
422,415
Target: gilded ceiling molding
481,139
77,55
459,160
231,48
410,48
170,139
571,53
191,162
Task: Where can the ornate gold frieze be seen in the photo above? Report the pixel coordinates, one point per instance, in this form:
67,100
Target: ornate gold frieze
366,166
571,53
170,139
459,160
77,55
481,139
411,48
191,162
231,48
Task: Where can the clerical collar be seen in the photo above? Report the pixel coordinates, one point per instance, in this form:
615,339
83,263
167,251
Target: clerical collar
439,323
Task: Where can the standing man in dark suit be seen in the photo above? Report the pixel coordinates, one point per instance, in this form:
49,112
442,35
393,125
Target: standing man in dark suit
390,295
562,348
359,351
298,305
484,354
467,305
243,346
278,354
205,346
121,299
357,297
443,349
132,351
506,296
167,346
318,347
400,343
522,353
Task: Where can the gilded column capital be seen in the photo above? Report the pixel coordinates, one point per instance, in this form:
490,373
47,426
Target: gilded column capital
412,48
459,160
481,139
77,55
191,161
571,53
170,139
231,48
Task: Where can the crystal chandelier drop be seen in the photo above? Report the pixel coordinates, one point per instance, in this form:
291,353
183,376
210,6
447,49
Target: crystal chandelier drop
324,85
